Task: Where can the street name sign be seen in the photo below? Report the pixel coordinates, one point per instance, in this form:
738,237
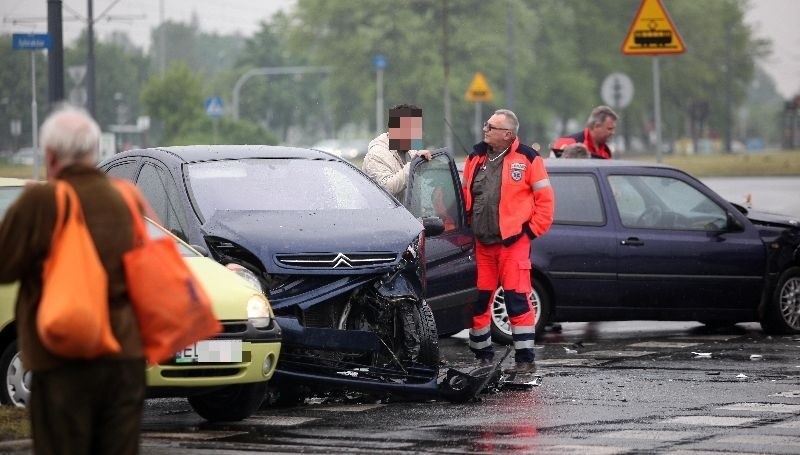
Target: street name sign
652,32
30,41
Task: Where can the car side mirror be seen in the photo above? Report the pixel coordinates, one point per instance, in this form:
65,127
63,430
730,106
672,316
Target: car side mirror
433,226
734,225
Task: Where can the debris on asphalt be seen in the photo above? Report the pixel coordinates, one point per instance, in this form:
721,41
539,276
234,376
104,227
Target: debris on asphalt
701,355
570,351
741,376
712,373
756,357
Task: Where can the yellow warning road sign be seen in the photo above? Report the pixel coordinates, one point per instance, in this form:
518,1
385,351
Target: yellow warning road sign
479,89
652,32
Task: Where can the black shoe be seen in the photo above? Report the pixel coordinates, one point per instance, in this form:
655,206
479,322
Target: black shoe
525,368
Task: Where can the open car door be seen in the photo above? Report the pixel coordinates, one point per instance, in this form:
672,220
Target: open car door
434,190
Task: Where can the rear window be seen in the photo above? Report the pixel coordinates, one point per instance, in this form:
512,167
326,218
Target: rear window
577,200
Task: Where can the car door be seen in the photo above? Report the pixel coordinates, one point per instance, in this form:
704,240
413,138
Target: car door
434,190
677,249
161,191
576,257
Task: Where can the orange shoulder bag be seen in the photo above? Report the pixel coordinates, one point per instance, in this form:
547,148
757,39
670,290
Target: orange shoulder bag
171,305
72,319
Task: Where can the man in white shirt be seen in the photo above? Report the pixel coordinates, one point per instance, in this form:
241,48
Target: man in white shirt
389,155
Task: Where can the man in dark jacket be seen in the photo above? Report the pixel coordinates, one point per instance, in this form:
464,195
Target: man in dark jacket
76,406
599,130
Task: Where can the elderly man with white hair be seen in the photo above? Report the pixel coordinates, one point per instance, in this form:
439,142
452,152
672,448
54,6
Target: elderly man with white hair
76,406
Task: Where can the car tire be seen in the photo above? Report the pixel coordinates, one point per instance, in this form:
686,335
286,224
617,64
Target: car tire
782,312
500,325
17,387
423,320
231,403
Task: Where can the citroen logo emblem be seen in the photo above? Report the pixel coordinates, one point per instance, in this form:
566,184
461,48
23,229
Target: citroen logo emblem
341,260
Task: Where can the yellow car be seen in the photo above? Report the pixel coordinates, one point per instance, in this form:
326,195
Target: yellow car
225,378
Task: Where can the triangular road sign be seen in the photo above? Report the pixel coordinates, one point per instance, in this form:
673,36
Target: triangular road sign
652,32
479,89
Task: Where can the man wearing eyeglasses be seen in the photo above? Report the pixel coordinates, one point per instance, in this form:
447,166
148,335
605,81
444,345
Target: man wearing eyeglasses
389,155
509,202
599,130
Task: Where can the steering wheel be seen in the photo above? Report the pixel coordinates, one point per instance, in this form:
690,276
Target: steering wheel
650,217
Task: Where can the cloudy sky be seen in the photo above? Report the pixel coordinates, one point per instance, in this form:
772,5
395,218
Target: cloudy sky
774,19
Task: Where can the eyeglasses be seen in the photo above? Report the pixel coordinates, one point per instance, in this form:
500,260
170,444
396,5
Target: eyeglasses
488,127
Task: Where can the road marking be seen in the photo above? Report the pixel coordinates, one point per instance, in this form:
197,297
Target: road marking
657,435
275,421
714,421
664,344
615,354
793,424
348,407
762,440
788,394
764,407
579,449
203,435
567,362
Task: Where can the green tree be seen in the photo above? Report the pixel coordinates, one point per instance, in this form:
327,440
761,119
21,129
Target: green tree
174,99
120,72
15,92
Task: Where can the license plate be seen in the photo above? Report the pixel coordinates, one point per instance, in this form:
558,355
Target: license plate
211,351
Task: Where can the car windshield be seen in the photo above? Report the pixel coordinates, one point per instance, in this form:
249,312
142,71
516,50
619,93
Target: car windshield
282,184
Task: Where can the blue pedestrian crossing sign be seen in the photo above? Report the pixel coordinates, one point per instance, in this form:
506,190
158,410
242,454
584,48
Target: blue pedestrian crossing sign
214,107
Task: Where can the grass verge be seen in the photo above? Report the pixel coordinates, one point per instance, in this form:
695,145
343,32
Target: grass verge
14,423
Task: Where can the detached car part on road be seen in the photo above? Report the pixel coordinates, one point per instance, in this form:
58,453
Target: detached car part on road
360,286
224,378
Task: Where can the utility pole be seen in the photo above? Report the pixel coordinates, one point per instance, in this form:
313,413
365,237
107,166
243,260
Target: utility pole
510,75
448,134
90,104
55,56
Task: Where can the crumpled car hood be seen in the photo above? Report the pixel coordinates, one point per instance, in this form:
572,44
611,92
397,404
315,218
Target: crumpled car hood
267,233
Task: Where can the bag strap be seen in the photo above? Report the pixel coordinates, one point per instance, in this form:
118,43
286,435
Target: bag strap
140,236
66,198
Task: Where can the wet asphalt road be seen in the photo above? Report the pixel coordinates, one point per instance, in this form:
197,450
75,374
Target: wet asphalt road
628,387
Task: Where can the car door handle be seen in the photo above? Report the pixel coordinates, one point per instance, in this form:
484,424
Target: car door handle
632,241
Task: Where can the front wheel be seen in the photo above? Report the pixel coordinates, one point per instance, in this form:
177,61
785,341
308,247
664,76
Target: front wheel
231,403
782,313
17,390
501,326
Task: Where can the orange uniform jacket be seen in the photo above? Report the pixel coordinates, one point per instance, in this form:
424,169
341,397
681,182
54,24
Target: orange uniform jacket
526,197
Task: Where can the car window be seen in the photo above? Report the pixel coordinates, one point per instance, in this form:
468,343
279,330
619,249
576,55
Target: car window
157,232
433,193
8,194
282,184
658,202
577,200
159,189
122,170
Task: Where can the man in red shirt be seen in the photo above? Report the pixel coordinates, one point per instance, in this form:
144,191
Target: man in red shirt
598,133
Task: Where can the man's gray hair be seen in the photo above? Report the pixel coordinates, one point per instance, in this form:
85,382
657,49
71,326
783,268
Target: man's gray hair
71,134
512,119
599,116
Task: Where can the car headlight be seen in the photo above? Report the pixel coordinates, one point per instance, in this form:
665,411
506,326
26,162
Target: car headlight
258,311
246,274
